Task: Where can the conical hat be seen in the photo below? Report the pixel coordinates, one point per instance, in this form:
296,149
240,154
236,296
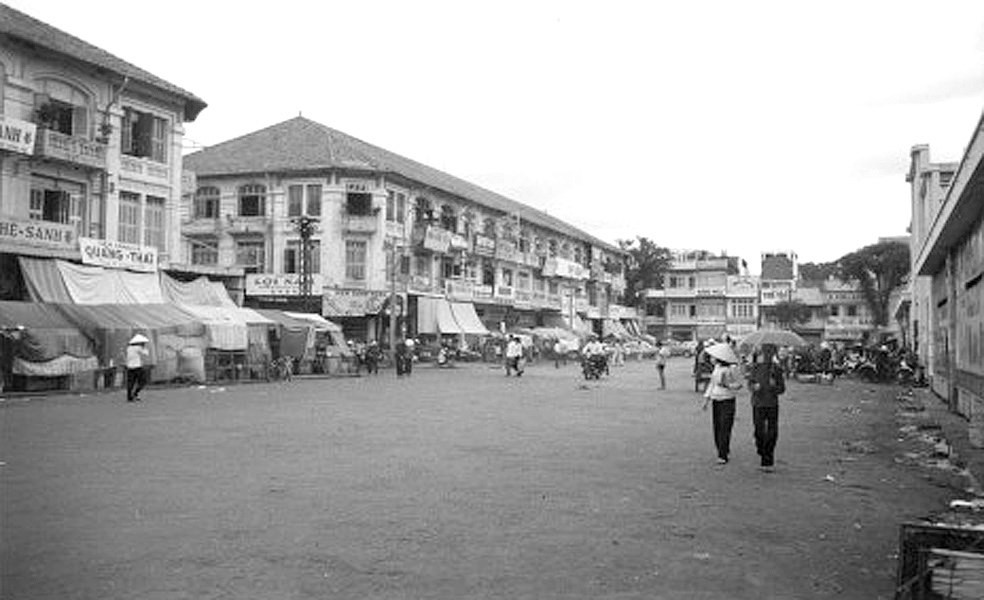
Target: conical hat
139,339
723,352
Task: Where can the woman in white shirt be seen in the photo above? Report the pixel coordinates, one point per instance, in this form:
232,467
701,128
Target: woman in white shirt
725,382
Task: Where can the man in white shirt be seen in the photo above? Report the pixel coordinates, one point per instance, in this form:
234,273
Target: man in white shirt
137,361
514,355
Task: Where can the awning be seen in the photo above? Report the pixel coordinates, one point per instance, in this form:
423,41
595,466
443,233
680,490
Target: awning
46,335
296,335
320,323
226,326
62,282
199,292
464,314
445,318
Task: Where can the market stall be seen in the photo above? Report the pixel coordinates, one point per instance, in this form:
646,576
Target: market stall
41,349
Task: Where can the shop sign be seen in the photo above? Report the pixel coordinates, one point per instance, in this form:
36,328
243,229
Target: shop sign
482,291
118,255
285,284
506,250
337,302
561,267
504,292
710,292
459,288
17,136
37,233
458,242
484,246
437,239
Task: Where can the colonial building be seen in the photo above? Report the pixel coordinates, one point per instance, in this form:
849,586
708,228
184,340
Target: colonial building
90,154
780,270
948,242
387,225
928,185
694,303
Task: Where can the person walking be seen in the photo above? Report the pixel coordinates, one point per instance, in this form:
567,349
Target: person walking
721,390
560,353
767,382
137,364
662,356
514,356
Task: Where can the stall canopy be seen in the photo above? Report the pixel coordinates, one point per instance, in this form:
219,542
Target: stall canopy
174,334
296,335
199,292
464,314
49,344
60,281
227,328
329,331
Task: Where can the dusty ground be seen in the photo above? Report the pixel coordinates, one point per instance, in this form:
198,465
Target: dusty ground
454,484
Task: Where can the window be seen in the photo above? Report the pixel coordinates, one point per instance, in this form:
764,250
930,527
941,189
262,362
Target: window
154,222
523,280
507,277
488,273
50,205
946,177
743,308
552,288
358,203
692,312
552,248
673,281
205,252
295,198
144,135
422,211
252,200
292,256
449,218
691,282
64,118
852,310
421,266
355,260
448,267
251,255
207,203
396,207
129,231
524,244
488,227
834,310
678,310
314,200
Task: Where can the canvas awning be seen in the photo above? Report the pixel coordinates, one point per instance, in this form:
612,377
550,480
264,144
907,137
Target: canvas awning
59,281
464,314
320,323
296,335
226,326
199,292
445,318
46,335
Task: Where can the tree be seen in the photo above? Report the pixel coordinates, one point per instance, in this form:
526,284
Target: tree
817,271
879,268
787,313
645,267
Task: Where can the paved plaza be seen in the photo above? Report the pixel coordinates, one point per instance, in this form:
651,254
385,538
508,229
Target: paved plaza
455,483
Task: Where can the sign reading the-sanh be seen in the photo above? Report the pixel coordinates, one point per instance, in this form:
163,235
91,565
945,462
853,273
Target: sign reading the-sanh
37,233
118,255
16,135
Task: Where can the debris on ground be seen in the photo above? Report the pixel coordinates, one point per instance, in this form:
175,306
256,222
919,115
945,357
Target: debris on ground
859,447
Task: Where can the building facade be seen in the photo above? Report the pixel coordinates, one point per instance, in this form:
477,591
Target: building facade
928,185
948,238
780,271
90,155
386,226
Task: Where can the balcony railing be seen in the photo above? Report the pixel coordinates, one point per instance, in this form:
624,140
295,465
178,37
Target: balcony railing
71,149
145,169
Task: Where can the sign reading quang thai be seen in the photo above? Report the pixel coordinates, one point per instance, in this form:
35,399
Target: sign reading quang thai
118,255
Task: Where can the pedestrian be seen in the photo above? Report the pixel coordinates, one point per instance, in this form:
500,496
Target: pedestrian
560,353
514,356
400,357
662,356
767,382
721,390
411,347
137,365
372,358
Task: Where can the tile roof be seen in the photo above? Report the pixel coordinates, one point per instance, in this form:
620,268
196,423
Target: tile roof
16,24
301,144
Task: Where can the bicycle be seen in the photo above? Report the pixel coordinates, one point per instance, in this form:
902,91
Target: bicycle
281,369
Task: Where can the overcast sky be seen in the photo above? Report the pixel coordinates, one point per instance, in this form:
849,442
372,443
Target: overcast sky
738,126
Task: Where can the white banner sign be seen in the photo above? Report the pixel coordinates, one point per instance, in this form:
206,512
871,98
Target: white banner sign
37,233
118,255
16,135
284,284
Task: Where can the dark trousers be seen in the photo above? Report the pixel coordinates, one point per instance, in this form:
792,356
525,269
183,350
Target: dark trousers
766,421
136,379
723,419
661,369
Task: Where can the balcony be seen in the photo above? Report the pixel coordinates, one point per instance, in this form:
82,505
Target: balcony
70,149
356,223
144,169
202,226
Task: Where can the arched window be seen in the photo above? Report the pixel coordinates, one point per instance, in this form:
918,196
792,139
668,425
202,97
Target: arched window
207,203
252,200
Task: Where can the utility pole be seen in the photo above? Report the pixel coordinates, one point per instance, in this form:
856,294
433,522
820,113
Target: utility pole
396,254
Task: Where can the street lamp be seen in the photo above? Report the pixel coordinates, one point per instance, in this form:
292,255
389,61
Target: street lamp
306,226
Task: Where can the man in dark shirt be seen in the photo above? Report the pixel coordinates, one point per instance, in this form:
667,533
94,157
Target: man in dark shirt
766,381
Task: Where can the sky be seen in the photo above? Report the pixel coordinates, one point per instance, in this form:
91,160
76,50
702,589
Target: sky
719,125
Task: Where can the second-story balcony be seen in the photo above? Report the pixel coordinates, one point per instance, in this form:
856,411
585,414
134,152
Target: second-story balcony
71,149
203,226
145,169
